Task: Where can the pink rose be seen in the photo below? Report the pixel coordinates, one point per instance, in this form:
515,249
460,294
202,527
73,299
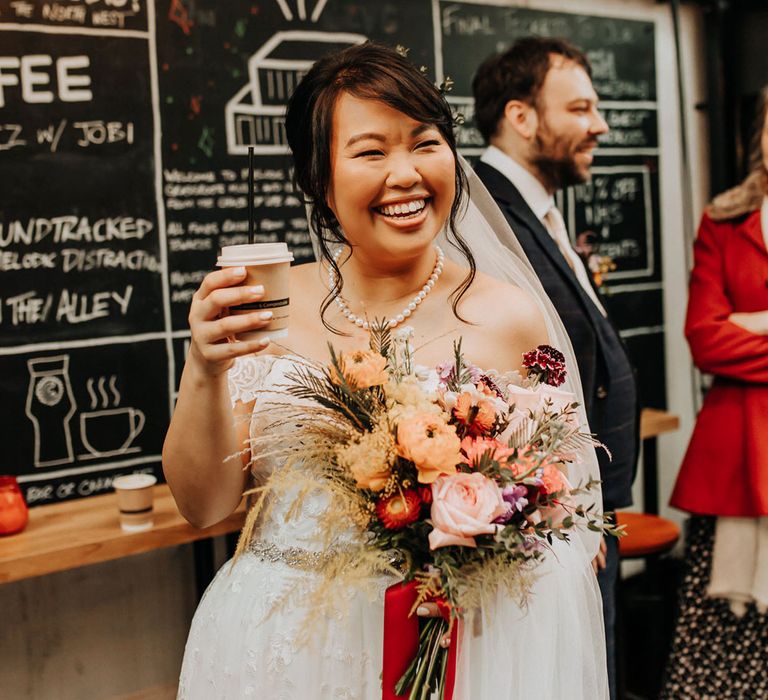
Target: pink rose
464,505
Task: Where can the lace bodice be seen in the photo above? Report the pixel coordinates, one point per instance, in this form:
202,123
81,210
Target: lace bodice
262,378
248,375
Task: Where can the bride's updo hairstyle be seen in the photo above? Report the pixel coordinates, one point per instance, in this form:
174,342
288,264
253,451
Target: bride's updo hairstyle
367,71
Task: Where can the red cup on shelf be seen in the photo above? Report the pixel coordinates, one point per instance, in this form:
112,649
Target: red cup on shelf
14,513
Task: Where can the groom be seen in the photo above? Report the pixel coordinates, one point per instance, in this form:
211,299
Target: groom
537,109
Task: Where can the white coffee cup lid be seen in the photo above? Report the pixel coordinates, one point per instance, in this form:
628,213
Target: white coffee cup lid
254,254
134,481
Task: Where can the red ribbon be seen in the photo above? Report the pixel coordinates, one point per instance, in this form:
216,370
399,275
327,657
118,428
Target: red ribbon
401,639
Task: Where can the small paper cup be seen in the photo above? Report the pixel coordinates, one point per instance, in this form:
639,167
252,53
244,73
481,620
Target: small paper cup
267,264
134,501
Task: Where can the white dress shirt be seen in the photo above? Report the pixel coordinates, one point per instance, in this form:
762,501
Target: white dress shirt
541,202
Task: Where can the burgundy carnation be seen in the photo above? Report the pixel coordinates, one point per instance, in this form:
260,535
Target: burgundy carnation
546,362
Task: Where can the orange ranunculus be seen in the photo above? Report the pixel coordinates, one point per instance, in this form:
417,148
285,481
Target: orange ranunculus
430,443
361,369
478,415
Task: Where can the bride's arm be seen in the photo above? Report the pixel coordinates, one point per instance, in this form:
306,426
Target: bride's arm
204,428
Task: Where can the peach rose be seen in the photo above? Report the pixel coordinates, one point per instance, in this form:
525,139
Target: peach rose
464,505
430,443
361,369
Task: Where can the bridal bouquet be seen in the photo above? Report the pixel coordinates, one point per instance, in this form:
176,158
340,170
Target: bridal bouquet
456,477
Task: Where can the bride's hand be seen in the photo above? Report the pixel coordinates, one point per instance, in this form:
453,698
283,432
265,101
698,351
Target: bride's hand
432,610
211,328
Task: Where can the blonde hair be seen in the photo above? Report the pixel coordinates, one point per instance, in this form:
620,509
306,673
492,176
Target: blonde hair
748,195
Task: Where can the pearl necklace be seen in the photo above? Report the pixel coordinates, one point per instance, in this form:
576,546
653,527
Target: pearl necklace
406,312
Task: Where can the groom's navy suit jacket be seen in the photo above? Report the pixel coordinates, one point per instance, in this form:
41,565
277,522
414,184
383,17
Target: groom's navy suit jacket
607,376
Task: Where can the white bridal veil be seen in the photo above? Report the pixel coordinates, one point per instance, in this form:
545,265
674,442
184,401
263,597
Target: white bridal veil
522,653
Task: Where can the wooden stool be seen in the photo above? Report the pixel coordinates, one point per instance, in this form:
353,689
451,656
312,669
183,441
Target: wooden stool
646,535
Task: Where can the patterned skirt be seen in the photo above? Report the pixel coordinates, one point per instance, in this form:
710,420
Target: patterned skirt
715,655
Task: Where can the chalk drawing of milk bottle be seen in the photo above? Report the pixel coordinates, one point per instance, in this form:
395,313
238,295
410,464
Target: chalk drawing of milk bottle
50,406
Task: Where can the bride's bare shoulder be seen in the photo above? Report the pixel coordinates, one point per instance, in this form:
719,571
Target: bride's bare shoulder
509,310
500,295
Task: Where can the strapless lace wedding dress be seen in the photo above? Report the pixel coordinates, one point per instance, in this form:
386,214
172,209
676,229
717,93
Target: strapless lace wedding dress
242,644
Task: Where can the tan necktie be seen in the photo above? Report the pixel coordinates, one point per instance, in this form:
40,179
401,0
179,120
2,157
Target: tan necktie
553,220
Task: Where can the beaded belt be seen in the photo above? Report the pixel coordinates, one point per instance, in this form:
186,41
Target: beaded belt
292,556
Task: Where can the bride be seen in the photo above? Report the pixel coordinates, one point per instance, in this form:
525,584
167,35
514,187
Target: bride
375,155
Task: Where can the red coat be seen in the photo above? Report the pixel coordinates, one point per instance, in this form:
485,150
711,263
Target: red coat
725,471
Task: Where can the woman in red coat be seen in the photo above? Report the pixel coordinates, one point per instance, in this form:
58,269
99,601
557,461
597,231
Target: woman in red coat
725,471
721,641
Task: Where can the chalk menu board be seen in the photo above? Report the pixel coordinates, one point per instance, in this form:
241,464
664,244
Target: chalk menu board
124,126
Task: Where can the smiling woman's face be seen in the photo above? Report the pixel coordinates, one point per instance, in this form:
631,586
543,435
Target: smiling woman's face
392,179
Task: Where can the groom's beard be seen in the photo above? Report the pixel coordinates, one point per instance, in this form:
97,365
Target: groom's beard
555,161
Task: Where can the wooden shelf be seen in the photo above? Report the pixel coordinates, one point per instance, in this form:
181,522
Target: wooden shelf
86,531
654,422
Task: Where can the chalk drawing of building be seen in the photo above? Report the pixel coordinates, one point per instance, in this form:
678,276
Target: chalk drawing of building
255,116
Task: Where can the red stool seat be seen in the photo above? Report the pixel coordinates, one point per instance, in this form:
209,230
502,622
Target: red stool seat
645,534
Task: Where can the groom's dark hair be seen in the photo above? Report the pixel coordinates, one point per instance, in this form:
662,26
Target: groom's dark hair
517,74
368,71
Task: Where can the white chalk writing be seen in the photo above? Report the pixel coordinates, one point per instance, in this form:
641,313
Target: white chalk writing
64,229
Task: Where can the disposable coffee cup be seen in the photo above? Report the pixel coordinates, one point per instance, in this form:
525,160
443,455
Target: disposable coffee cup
267,264
134,500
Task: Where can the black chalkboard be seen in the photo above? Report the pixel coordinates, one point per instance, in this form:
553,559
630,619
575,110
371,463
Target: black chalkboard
618,211
124,126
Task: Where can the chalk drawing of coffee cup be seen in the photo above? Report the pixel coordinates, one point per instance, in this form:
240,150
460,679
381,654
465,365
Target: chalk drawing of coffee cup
110,431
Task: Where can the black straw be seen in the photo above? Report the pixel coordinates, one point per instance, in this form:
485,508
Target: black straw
250,194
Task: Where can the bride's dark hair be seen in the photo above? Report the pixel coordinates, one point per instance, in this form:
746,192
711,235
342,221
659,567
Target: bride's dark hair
368,71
